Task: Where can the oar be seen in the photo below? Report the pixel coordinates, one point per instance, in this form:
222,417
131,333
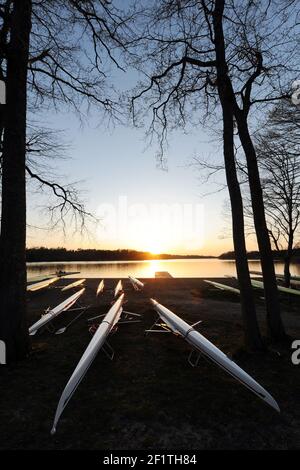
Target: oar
60,331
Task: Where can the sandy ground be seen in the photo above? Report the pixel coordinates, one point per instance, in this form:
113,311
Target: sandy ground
149,397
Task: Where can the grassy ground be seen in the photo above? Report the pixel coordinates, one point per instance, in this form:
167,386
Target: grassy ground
149,397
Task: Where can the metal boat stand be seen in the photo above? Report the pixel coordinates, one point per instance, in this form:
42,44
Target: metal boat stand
50,327
128,318
194,362
108,350
82,309
163,328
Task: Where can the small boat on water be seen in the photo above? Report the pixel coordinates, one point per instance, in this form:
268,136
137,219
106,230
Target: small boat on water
66,273
73,284
136,284
100,288
178,326
118,289
54,312
109,321
41,285
45,277
220,286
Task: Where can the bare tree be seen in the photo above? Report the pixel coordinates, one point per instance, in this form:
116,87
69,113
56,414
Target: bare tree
184,87
56,53
65,206
278,151
188,47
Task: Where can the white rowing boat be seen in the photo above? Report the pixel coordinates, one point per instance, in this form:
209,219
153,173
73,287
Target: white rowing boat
41,285
62,307
44,277
118,289
209,350
279,276
293,278
73,284
287,290
100,288
257,273
220,286
32,280
97,341
136,284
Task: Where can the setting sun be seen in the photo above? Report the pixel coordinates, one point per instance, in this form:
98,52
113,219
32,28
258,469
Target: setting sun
156,248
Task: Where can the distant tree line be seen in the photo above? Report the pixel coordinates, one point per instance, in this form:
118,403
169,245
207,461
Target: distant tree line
62,254
41,254
278,255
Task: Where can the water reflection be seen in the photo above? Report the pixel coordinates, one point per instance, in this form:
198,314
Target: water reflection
144,269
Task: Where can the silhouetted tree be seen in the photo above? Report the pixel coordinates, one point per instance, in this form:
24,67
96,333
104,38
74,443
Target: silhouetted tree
181,58
278,151
187,48
55,53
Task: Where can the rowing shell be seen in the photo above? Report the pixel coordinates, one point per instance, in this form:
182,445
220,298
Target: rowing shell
209,350
100,288
97,341
65,305
223,286
41,285
74,284
118,289
279,276
287,290
137,285
42,277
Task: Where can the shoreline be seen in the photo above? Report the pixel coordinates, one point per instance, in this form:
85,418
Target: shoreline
149,397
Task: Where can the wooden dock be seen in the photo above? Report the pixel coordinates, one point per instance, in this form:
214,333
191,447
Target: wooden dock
163,274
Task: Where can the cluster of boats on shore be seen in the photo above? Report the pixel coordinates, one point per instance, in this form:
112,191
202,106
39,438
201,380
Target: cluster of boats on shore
167,321
258,284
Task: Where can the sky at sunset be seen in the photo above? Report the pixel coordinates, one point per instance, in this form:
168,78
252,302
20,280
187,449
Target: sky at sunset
170,211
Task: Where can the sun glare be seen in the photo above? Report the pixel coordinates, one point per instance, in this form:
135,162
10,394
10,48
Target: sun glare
156,249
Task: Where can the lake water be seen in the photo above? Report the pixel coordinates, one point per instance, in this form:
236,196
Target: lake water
144,269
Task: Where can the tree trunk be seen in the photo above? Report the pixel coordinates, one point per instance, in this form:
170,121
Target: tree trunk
270,285
289,251
252,334
287,272
13,327
288,257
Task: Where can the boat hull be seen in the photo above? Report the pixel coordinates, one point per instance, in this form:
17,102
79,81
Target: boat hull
209,350
96,343
136,283
73,284
286,290
41,285
65,305
118,289
100,288
220,286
